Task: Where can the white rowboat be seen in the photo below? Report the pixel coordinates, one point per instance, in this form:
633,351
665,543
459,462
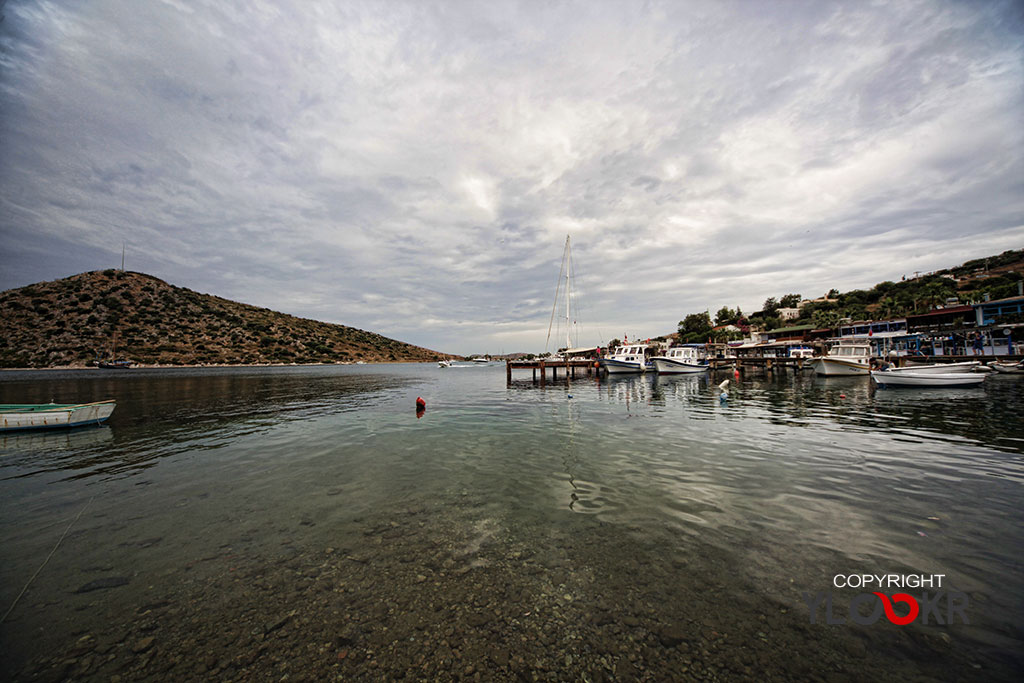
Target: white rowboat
52,415
900,378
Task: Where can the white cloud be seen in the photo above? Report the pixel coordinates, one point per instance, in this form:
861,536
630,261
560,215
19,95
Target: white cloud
413,169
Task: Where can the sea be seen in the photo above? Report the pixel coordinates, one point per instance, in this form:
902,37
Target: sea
309,523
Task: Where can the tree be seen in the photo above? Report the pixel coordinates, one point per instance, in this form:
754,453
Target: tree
790,301
826,319
695,326
725,316
770,306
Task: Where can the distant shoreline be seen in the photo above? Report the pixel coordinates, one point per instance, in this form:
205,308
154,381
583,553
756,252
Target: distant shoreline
212,365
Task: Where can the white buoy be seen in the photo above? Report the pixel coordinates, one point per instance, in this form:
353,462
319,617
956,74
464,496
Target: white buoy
724,385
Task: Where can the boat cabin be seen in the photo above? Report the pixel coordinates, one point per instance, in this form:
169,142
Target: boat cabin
850,351
693,354
630,352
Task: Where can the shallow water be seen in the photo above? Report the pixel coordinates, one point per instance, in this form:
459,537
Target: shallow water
252,523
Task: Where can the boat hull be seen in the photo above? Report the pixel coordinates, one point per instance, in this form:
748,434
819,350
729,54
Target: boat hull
910,379
55,417
1008,368
939,368
669,366
831,367
616,367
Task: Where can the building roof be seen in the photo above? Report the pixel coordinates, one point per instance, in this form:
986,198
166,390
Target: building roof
1000,301
938,312
794,328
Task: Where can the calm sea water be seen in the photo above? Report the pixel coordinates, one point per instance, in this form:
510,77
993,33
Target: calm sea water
639,509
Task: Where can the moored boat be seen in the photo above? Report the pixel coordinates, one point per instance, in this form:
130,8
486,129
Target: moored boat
114,364
844,359
53,415
1008,368
625,359
939,368
899,378
681,359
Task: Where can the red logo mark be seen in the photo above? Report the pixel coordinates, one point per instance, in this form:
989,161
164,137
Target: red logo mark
890,613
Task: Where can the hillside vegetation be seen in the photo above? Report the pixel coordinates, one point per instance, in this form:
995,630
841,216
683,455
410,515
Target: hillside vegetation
73,321
994,277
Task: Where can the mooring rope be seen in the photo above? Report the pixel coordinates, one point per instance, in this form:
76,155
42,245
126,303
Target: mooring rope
59,540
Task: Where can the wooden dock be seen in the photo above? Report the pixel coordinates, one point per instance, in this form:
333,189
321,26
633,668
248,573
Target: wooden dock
569,368
746,365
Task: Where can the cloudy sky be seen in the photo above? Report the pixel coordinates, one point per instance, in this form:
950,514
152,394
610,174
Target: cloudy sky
414,168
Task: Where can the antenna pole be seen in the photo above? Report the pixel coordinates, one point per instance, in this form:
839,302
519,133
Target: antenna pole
122,257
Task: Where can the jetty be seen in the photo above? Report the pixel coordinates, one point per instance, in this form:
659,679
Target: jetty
570,368
749,364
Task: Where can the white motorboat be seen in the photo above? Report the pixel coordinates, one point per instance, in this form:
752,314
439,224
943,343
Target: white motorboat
681,360
446,363
1008,368
625,359
844,359
52,415
480,360
901,378
939,368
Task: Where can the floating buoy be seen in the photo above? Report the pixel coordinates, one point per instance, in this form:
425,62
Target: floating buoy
724,385
723,397
842,395
420,403
736,373
570,395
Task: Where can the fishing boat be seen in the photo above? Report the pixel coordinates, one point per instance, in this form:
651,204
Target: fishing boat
900,378
844,359
691,358
628,358
53,415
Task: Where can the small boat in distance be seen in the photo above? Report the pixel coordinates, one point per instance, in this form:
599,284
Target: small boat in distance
481,360
844,359
114,364
690,358
53,415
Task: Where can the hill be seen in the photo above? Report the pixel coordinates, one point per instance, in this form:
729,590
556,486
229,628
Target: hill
994,277
71,322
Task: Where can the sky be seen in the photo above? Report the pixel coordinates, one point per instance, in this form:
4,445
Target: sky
414,168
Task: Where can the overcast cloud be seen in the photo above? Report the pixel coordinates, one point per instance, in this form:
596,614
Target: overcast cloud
413,168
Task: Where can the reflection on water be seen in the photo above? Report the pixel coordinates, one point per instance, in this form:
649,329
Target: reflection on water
629,495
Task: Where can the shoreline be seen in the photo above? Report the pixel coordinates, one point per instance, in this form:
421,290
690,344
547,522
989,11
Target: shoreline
141,366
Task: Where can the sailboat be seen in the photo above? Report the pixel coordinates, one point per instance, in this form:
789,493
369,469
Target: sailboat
564,289
114,363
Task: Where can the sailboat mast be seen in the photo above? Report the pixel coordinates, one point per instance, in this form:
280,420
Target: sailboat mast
568,259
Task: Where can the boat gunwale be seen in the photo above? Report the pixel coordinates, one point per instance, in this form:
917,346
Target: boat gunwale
49,407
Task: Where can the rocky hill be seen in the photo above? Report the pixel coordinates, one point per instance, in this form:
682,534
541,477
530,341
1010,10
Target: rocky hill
73,321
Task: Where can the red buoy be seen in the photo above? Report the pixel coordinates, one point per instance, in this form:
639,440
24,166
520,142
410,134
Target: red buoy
736,373
420,403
